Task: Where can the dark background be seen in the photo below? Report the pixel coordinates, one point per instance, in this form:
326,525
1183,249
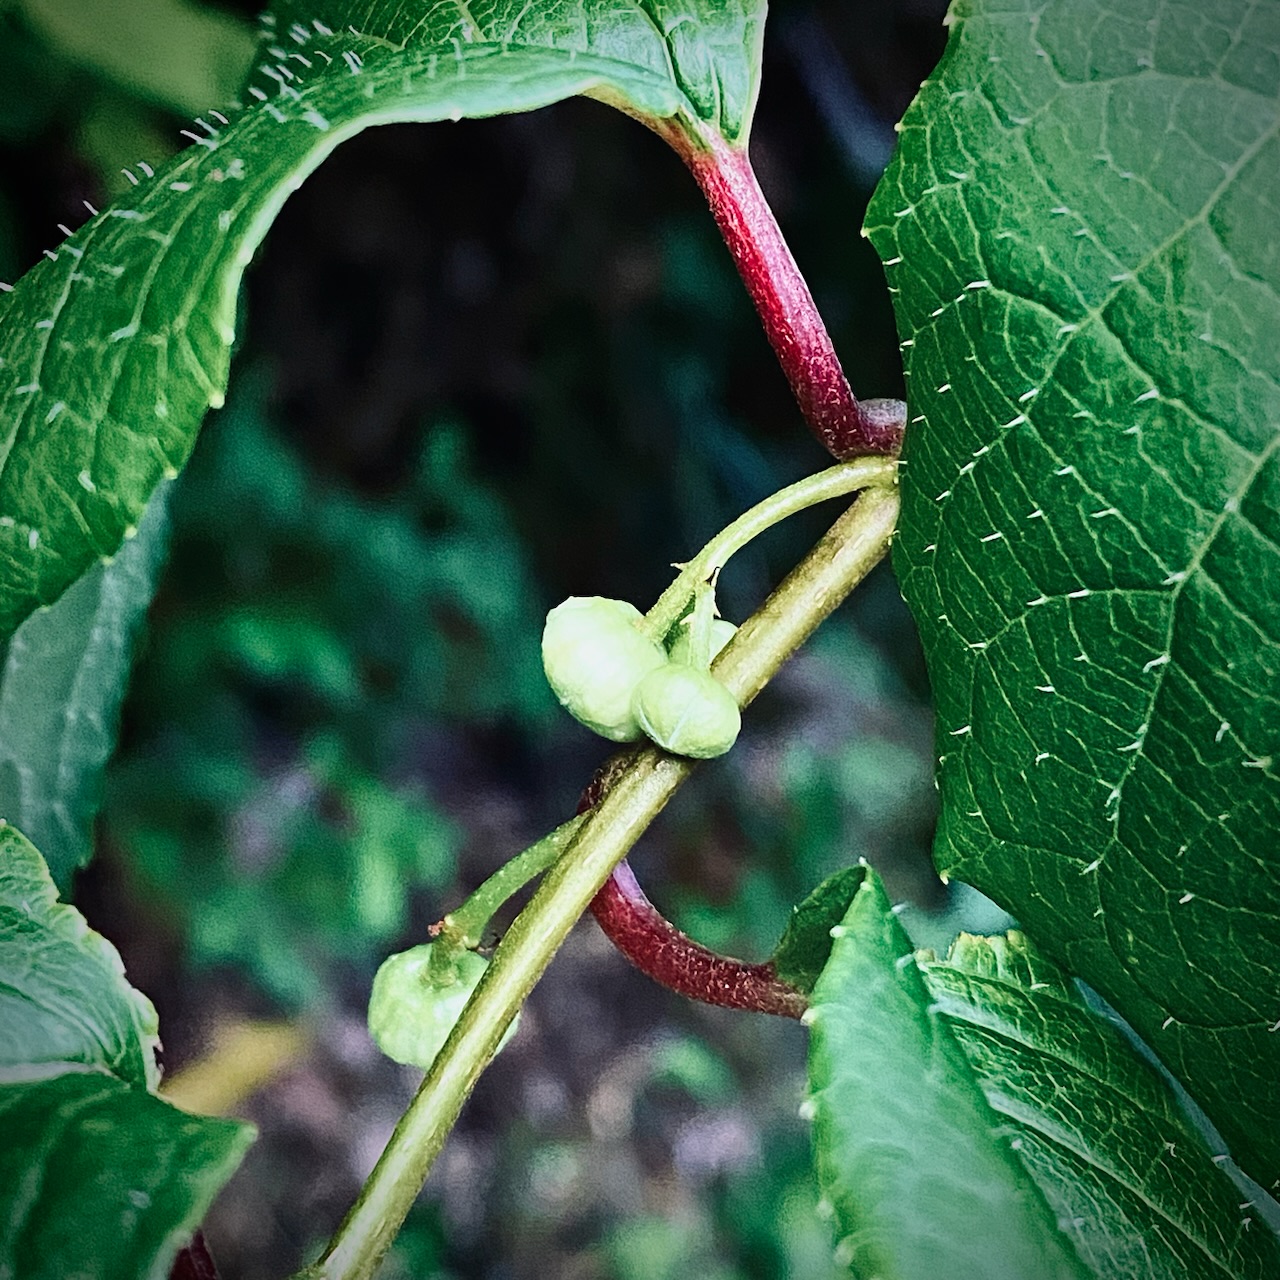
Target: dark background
485,366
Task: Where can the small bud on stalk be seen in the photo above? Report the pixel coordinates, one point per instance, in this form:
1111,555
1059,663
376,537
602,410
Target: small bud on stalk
412,1011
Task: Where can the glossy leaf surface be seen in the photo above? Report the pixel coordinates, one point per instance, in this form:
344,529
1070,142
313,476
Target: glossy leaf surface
98,1176
98,1179
1079,227
909,1154
974,1118
64,999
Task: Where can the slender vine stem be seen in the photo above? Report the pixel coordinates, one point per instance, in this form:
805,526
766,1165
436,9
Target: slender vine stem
834,482
465,926
640,787
637,793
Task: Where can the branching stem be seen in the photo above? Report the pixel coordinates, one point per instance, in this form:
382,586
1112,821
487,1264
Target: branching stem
465,926
834,482
639,791
646,778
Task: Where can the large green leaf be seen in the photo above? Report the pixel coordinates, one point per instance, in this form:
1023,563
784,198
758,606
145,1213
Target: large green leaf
1079,227
98,1176
974,1118
112,349
62,680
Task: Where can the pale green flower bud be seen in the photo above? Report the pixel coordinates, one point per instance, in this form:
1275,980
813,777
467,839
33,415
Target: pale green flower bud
687,711
411,1014
594,655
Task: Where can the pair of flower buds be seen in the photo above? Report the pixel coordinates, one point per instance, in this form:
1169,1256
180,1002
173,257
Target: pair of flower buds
615,679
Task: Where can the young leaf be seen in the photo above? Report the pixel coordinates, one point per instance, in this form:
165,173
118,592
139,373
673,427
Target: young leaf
98,1176
805,946
62,680
921,1178
1077,228
115,345
973,1117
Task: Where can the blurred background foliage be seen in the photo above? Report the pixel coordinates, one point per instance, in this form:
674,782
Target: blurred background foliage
486,366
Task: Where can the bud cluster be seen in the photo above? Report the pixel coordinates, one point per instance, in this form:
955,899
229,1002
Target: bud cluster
615,679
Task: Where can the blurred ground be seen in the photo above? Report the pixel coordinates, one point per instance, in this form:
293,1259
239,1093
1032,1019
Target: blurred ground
486,366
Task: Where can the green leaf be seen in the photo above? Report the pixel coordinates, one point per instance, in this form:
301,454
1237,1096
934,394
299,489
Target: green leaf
909,1154
1097,1126
63,994
98,1179
705,51
805,946
98,1176
115,345
61,684
1079,230
974,1117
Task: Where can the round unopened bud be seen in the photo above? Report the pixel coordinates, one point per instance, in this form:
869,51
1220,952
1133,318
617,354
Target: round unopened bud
595,655
722,631
411,1013
687,711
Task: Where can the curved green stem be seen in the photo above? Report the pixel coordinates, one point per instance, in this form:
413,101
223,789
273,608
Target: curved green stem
465,926
834,482
641,789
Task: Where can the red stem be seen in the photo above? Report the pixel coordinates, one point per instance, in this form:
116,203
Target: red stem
657,948
846,427
194,1262
673,959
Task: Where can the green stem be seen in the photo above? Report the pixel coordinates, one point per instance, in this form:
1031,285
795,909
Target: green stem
834,482
641,789
465,926
704,604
